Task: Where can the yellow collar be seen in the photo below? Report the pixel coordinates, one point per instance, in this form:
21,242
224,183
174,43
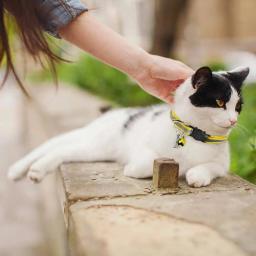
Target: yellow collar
184,130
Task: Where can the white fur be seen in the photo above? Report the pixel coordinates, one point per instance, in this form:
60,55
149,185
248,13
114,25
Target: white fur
144,140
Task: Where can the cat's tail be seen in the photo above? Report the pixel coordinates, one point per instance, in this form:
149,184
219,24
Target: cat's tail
18,170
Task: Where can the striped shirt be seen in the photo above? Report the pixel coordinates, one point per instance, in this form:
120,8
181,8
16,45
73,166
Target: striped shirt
55,14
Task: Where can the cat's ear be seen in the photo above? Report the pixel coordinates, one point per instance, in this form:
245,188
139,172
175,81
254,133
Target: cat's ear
201,76
238,76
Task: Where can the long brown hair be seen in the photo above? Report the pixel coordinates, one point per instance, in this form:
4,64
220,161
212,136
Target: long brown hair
30,31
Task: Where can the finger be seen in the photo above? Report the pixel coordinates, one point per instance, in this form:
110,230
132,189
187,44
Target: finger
170,86
169,99
176,83
165,90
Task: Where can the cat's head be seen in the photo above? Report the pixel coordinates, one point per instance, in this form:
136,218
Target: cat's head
211,100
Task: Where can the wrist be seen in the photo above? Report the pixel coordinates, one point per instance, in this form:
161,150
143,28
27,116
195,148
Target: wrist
143,67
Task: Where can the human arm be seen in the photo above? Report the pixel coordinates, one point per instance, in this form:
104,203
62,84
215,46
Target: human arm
157,75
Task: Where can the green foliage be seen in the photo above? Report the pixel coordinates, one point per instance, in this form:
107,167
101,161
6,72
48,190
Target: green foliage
243,138
111,84
217,65
106,82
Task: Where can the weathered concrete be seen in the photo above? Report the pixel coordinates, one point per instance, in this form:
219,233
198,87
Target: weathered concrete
108,213
84,181
111,229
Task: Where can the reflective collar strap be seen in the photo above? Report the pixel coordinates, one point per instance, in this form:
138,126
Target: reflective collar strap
182,127
196,133
216,139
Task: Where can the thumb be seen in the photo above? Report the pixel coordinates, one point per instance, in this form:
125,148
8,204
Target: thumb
165,90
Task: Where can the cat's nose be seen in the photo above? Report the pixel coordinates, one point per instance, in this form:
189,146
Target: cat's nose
233,121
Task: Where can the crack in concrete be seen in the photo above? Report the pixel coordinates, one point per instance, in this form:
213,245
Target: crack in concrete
163,192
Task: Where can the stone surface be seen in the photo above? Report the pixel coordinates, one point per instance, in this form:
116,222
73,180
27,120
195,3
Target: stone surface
101,180
111,229
165,173
107,212
87,181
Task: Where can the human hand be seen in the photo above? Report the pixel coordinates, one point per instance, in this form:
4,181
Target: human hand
161,76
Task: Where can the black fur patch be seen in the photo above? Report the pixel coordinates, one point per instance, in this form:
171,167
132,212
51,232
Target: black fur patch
239,105
157,113
237,78
217,88
135,116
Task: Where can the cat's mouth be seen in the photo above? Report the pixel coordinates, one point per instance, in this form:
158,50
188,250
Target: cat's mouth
226,127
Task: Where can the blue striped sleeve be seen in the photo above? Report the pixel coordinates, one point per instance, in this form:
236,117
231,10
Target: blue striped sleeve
55,14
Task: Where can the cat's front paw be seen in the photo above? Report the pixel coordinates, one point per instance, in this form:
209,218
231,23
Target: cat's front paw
38,171
198,178
36,176
17,171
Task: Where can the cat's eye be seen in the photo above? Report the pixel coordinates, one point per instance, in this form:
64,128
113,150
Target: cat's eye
220,103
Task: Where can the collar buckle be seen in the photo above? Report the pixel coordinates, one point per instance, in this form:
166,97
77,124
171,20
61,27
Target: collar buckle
198,134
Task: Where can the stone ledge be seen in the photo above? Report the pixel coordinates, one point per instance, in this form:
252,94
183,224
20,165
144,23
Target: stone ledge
126,230
107,180
223,213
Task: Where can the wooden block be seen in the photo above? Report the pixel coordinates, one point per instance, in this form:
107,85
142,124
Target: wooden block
165,173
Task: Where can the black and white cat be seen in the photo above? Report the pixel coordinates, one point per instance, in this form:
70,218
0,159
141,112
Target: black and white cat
209,101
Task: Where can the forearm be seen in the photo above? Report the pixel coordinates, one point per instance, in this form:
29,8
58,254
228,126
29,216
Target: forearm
103,43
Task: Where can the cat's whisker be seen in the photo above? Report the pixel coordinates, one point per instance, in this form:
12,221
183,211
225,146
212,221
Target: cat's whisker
242,128
238,129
